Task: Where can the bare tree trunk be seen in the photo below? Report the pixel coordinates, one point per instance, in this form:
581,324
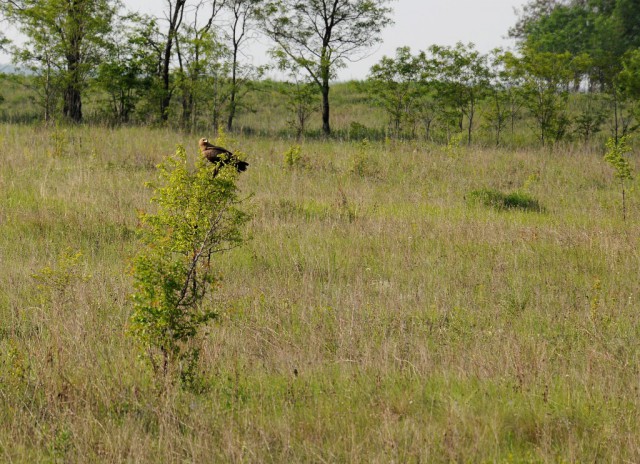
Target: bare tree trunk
72,107
326,127
324,77
234,89
175,19
48,93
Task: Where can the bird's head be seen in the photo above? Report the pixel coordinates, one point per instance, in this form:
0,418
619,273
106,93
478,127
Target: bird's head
203,143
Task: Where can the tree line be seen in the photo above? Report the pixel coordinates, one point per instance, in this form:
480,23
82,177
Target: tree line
189,64
588,50
194,53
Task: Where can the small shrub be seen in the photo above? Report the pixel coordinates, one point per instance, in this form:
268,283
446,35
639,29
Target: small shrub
344,207
59,143
616,150
196,217
55,281
362,163
293,157
454,148
358,131
504,201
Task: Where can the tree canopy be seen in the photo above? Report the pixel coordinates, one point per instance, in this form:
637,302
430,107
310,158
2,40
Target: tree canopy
320,35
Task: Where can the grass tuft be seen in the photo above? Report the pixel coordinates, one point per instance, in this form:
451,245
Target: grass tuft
504,201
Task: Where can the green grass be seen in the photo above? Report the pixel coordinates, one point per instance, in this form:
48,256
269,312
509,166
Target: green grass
504,201
422,327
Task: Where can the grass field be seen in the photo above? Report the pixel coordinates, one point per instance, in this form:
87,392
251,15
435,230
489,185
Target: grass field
376,314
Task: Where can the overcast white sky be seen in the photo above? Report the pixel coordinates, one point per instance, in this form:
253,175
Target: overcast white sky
421,23
418,24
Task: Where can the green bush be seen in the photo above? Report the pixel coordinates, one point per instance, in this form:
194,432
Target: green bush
196,217
293,157
504,201
362,163
615,156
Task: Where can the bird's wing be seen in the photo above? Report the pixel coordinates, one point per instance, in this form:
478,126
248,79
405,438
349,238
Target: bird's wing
218,150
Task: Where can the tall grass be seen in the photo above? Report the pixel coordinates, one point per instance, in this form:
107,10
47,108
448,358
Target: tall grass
375,314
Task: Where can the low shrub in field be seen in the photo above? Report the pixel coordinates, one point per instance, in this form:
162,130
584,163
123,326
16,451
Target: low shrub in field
615,156
363,164
504,201
359,131
196,217
293,157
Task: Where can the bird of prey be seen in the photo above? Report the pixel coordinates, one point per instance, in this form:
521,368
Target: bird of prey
221,155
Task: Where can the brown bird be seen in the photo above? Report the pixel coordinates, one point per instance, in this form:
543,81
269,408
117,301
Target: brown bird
221,155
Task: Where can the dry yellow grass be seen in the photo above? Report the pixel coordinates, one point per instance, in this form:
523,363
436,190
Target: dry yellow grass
421,327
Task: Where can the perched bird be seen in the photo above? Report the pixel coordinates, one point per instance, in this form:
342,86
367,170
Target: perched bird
221,155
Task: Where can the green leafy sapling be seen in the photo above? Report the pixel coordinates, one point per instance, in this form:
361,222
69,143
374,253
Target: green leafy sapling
615,157
196,217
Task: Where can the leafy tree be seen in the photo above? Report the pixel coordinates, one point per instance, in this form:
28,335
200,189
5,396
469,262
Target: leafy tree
547,78
320,35
127,71
603,29
396,84
46,78
627,91
427,108
627,17
300,92
529,15
462,80
302,102
565,28
64,37
629,78
217,72
591,116
244,15
505,101
174,17
197,48
615,156
196,218
4,42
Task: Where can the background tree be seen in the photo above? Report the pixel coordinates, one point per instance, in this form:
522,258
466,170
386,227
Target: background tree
320,35
547,78
396,83
243,23
462,80
196,45
66,36
174,18
529,14
500,94
41,61
301,101
592,111
603,29
129,65
4,42
627,88
427,109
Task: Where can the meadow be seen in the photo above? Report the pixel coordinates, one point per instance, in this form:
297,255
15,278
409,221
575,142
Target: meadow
376,312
